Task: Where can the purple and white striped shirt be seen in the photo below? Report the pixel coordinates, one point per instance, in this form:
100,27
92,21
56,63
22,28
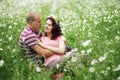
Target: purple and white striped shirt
27,40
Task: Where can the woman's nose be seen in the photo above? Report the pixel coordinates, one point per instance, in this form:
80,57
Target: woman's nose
45,26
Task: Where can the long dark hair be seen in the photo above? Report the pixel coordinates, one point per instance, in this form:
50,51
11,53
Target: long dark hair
56,30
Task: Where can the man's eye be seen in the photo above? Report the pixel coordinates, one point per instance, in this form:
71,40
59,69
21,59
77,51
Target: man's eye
39,21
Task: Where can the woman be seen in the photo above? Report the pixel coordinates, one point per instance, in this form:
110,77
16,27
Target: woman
53,40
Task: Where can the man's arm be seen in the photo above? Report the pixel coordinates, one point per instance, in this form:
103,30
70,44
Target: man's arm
58,50
42,51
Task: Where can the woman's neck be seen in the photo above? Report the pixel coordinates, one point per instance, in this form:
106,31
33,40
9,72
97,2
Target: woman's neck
49,35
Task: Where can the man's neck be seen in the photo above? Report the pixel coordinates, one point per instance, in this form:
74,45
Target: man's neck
31,28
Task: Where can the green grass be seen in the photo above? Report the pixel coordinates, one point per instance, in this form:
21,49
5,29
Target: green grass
97,21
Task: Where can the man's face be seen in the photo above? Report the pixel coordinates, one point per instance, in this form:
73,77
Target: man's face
37,23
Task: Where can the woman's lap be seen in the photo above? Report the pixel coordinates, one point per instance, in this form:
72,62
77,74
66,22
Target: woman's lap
51,61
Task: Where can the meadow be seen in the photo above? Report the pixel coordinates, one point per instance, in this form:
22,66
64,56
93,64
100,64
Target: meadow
91,26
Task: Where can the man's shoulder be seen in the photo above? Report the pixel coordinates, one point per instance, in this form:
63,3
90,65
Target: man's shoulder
27,30
25,34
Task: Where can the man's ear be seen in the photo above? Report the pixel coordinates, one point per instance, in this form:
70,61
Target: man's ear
30,22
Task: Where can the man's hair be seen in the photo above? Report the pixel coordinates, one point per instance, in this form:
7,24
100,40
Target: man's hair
31,16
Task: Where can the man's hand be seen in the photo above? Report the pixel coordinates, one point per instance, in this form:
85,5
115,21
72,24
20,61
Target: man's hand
39,42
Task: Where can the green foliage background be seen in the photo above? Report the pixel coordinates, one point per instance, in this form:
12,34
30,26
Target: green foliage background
95,21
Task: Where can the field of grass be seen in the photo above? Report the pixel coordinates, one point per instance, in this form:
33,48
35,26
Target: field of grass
91,26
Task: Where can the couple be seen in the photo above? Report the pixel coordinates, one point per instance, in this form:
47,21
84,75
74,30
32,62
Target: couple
33,43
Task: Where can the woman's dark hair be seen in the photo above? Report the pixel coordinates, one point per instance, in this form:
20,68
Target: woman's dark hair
56,30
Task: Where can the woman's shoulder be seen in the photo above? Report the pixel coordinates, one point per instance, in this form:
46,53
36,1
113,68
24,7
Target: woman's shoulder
61,37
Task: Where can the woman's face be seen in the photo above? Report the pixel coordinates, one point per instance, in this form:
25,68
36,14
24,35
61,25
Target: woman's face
48,26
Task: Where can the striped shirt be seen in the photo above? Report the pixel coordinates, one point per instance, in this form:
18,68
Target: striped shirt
27,40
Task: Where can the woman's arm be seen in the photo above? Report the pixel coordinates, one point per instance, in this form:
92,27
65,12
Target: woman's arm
59,50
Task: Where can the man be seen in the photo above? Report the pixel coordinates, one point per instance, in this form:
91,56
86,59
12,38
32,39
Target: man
30,34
